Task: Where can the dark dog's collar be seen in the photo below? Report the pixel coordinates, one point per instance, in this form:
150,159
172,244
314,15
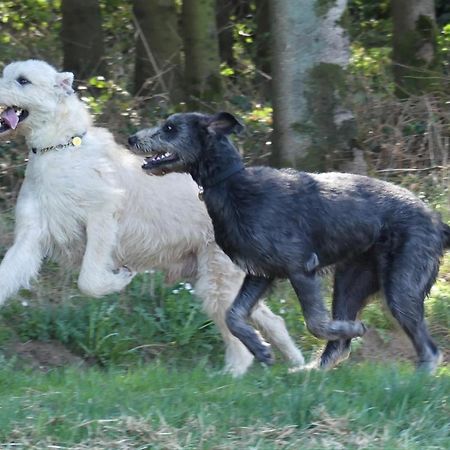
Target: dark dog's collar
222,176
75,141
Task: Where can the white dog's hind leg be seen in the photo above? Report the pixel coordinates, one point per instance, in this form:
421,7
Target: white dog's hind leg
274,329
98,276
217,285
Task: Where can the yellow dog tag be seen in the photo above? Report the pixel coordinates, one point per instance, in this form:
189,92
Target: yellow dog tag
76,141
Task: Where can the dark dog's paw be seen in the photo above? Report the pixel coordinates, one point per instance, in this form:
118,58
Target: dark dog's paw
265,355
361,328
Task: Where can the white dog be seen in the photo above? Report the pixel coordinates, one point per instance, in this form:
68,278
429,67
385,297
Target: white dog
85,200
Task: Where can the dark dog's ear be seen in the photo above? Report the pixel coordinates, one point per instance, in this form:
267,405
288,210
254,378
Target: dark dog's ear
224,123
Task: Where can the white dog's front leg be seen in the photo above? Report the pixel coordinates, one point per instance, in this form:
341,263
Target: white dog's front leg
19,266
23,260
98,276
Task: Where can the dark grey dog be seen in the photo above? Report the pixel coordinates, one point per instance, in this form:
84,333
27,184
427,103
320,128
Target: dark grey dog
289,224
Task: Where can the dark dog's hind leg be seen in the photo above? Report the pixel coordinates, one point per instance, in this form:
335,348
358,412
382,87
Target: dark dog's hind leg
318,322
251,291
407,278
354,283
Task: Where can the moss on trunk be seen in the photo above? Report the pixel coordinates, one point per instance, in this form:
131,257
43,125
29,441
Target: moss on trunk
330,128
322,6
314,129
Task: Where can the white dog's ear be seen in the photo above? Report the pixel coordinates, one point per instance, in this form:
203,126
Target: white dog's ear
64,81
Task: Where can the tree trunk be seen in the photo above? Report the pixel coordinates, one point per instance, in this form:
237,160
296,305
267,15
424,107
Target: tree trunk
82,38
262,43
224,11
158,67
414,46
201,48
313,130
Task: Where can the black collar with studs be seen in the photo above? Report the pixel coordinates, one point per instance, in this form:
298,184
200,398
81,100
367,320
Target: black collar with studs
75,141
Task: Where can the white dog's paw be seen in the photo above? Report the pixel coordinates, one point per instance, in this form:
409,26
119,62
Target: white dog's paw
122,276
103,283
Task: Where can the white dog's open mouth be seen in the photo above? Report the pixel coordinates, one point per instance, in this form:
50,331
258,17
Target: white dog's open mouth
10,117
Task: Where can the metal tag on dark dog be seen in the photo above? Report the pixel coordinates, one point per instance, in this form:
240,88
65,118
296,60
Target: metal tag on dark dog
200,193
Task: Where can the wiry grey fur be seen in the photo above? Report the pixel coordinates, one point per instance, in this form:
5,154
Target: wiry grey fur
273,223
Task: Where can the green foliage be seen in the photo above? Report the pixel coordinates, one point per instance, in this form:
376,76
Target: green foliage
99,94
29,28
118,330
371,24
443,41
370,62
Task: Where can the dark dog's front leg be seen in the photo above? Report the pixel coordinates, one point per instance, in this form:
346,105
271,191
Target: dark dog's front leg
317,318
251,291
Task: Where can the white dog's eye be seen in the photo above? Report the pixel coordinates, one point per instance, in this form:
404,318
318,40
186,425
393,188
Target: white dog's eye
23,81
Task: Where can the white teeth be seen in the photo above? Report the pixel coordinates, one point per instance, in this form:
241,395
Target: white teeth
162,156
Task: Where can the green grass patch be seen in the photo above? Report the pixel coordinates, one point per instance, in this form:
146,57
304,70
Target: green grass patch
353,407
146,319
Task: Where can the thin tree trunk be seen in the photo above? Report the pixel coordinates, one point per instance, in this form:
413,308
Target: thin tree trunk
312,127
158,66
201,47
82,38
263,50
414,45
224,11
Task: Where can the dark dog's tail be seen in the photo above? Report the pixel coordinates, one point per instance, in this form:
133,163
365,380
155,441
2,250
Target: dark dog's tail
446,235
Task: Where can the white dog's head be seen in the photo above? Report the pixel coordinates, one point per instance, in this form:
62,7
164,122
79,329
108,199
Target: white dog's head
33,94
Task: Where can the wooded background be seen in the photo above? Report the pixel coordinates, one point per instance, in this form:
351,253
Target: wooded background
359,85
354,85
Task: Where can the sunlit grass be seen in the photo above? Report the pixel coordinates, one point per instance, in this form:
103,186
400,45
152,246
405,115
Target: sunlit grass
357,406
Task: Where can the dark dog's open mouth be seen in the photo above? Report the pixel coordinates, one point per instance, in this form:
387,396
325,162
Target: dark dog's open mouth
162,163
10,117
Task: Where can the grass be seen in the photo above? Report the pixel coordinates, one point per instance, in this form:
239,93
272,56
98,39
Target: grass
164,407
154,380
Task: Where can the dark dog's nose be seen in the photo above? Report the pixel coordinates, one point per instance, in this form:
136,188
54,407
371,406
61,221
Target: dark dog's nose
132,140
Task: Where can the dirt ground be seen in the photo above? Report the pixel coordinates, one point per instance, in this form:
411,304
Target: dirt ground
374,346
391,345
42,355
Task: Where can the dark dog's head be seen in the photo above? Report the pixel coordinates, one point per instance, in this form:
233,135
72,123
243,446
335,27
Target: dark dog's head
178,143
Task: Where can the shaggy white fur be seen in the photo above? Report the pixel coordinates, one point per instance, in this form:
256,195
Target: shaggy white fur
93,205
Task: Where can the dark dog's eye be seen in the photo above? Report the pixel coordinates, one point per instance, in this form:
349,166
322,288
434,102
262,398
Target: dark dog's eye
169,128
23,81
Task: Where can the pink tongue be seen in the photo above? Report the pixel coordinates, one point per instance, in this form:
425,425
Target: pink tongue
10,117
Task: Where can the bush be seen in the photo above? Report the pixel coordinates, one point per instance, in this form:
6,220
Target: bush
147,320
